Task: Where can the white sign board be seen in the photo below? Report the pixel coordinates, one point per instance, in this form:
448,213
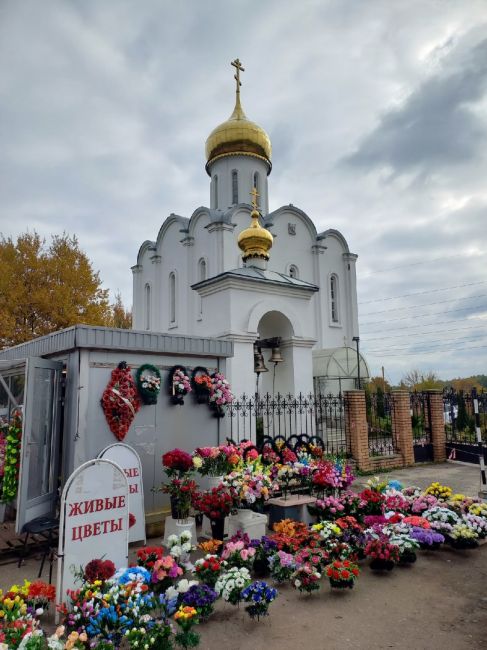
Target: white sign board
128,459
94,520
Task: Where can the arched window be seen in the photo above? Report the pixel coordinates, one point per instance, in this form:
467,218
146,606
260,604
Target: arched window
202,274
293,271
234,186
147,306
334,307
172,298
215,191
257,186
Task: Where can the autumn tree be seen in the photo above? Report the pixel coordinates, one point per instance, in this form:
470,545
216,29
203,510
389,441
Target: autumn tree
46,288
417,380
120,317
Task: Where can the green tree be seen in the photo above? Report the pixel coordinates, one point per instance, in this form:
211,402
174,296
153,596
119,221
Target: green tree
46,288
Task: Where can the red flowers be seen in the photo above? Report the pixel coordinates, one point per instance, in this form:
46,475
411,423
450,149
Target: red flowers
382,549
147,556
41,591
342,571
120,401
99,570
177,460
215,504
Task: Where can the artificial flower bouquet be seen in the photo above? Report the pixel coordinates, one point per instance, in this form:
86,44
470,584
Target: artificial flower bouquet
374,502
220,391
441,492
148,381
282,566
252,485
264,548
180,547
181,492
306,578
441,519
147,556
259,595
383,554
186,617
202,598
231,583
216,503
177,463
181,384
332,476
342,574
426,537
463,536
238,554
216,461
209,568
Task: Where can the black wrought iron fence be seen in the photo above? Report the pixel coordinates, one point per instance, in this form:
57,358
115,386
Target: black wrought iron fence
382,438
458,413
320,418
420,418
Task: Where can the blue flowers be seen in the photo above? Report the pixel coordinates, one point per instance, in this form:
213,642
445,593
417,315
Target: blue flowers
395,485
133,573
260,596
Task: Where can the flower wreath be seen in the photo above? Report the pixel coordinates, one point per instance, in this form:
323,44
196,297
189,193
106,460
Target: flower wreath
120,401
179,384
148,381
201,383
12,457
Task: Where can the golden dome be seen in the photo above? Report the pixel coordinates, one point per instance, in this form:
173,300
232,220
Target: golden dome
255,241
238,135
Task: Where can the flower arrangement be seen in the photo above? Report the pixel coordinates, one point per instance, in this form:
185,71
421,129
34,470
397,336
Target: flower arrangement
396,502
238,554
210,545
186,617
463,536
11,464
181,491
478,509
476,523
418,522
342,574
202,598
120,401
177,462
329,507
180,546
252,484
220,392
332,475
259,596
148,381
99,570
423,502
328,532
291,535
179,384
441,519
427,538
264,548
176,591
209,568
282,566
231,583
215,503
216,461
317,557
147,556
441,492
373,501
306,578
383,554
165,570
201,384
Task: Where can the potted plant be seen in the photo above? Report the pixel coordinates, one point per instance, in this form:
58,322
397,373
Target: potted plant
231,584
259,596
179,384
342,574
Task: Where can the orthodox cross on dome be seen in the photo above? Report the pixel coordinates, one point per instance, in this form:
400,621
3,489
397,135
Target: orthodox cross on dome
238,69
254,194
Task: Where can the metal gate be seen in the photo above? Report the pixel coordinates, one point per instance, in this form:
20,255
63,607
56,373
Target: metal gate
421,426
461,439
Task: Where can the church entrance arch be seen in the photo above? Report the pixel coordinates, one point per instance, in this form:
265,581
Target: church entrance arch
280,377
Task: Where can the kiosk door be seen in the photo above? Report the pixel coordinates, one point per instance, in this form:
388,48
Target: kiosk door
39,465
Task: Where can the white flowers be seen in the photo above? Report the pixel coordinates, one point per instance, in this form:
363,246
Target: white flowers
230,584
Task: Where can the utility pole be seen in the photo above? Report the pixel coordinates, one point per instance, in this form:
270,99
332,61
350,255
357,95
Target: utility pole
383,380
357,341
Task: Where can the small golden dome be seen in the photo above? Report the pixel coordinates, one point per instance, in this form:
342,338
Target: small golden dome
238,135
255,241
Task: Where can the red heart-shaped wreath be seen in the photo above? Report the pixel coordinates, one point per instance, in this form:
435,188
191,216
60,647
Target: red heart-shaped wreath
120,401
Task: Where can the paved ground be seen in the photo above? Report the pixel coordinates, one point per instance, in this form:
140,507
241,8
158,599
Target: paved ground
439,602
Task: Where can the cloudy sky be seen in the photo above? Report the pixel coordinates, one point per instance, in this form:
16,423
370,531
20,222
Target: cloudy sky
377,112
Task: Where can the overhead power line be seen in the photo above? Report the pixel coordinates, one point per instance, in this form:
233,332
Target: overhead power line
410,354
422,293
395,336
435,313
439,322
405,266
423,304
427,343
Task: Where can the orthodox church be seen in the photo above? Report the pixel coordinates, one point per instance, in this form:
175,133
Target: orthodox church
268,281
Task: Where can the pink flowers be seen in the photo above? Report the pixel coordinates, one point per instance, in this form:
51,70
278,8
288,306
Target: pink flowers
166,567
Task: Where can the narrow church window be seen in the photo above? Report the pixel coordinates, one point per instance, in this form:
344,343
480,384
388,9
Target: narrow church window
147,307
334,298
257,186
234,186
215,191
201,277
172,298
293,271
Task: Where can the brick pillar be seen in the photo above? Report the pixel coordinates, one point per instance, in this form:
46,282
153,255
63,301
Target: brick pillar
438,437
402,428
356,427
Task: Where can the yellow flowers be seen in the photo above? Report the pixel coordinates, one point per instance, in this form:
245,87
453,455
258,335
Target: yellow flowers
439,491
185,613
479,509
197,461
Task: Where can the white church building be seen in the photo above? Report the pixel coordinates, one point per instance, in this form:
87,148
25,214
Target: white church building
236,271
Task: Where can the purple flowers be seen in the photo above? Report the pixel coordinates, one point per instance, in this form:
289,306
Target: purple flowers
426,536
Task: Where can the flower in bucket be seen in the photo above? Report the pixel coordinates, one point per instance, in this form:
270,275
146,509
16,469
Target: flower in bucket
180,545
342,574
259,595
148,555
215,503
382,553
215,461
282,566
164,572
177,462
231,583
426,537
306,578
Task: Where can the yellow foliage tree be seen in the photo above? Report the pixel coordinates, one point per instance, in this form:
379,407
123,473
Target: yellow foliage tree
46,288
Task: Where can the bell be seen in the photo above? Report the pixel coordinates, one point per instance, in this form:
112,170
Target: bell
276,356
259,365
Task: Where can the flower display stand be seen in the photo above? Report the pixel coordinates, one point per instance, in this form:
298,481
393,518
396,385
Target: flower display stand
206,527
177,526
293,507
252,523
